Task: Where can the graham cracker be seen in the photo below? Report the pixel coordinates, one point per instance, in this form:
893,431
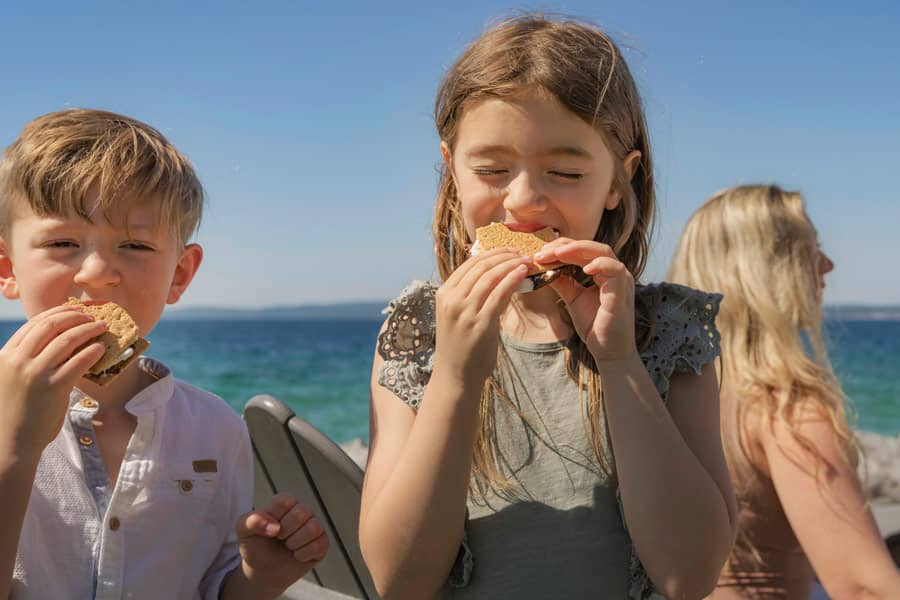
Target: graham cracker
498,235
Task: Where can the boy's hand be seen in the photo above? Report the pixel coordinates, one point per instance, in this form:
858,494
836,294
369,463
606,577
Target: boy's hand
39,366
280,543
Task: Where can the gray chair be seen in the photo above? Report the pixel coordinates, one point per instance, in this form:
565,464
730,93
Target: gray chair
293,457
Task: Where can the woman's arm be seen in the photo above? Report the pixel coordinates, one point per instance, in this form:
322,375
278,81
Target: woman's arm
830,516
417,478
676,493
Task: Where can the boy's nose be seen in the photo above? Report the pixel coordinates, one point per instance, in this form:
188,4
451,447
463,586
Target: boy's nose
97,271
524,194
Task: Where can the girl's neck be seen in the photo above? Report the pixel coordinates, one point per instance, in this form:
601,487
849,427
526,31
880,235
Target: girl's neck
536,317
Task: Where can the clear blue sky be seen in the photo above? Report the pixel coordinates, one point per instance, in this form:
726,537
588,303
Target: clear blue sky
310,123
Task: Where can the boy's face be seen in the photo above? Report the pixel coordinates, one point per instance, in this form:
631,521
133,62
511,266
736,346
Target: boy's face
45,260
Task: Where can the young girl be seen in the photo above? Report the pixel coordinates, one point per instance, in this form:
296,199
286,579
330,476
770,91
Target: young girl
791,454
562,443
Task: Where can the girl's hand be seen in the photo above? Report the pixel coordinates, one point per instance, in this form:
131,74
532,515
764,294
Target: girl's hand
39,366
467,314
603,316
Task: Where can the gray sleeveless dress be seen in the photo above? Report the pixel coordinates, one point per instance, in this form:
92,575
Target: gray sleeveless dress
557,531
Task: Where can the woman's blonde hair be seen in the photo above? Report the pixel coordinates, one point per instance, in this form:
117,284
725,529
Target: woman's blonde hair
60,157
582,68
756,245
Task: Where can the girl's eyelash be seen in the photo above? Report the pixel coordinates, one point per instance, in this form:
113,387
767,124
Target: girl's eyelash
485,171
564,175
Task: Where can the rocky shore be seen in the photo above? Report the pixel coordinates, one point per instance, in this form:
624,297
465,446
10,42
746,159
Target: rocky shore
879,470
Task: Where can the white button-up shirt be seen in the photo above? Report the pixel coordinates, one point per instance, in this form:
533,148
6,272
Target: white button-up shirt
167,529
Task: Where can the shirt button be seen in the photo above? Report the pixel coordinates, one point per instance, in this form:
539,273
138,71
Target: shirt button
187,485
89,403
86,440
114,523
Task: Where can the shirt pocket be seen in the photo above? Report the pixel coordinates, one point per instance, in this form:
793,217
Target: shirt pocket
178,489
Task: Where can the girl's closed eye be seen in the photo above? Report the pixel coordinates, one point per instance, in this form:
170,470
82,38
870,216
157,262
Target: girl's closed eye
489,171
569,175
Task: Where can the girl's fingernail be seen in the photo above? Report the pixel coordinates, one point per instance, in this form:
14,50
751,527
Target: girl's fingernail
272,528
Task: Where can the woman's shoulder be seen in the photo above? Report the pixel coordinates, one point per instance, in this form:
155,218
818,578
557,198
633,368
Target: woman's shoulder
680,324
406,342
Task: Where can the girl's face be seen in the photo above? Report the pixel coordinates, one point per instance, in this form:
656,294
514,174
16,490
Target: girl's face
531,163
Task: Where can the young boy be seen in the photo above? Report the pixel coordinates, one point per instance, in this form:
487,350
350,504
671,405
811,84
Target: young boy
132,489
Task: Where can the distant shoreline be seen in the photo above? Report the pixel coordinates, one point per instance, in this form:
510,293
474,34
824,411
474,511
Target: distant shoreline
371,311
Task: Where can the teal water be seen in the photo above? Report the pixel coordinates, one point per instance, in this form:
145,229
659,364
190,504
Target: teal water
321,368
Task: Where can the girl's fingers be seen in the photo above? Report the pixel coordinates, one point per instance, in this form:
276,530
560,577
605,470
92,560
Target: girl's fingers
574,252
470,263
485,285
567,289
499,297
484,266
47,329
547,252
20,334
605,268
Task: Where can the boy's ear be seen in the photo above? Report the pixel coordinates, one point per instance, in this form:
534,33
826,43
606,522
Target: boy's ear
629,165
8,284
190,260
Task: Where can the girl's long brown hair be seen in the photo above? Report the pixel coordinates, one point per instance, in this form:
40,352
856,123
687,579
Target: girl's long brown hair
583,69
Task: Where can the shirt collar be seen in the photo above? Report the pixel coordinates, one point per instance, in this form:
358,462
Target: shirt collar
149,398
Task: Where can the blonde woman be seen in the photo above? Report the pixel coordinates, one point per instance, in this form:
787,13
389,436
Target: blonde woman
790,451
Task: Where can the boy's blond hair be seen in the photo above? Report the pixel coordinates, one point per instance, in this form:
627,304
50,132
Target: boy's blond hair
62,156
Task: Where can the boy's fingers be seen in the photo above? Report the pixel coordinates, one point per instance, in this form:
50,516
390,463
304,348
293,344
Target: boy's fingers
279,505
45,330
62,347
256,523
79,363
309,531
313,551
296,518
16,338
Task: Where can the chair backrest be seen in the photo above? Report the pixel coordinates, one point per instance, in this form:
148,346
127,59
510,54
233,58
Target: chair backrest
295,458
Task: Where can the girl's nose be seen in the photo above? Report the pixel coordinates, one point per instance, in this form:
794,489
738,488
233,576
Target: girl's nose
97,271
825,263
524,194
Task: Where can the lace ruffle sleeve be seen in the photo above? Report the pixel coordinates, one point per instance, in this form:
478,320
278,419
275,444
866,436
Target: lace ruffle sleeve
685,336
406,343
684,339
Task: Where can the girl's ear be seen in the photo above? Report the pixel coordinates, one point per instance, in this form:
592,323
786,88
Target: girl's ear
448,161
187,266
445,152
629,165
8,285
